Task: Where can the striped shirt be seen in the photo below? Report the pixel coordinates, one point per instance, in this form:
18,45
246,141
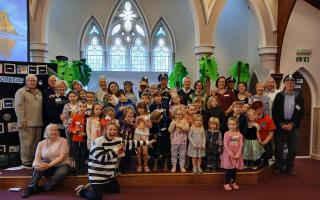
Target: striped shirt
103,157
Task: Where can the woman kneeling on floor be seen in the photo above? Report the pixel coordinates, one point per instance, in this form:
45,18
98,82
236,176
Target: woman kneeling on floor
104,154
51,160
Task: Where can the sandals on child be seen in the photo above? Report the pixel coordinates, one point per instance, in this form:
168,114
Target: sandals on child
227,187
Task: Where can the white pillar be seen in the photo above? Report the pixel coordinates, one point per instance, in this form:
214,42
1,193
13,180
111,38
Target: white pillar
39,52
202,51
268,57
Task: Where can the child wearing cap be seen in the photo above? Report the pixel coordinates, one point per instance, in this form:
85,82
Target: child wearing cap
143,85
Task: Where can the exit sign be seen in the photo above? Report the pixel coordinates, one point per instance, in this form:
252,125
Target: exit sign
302,59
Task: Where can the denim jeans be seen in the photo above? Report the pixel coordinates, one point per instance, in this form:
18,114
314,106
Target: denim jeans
98,189
56,174
291,138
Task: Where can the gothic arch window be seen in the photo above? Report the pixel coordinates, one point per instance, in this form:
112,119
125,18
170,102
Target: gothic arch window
127,39
92,45
162,44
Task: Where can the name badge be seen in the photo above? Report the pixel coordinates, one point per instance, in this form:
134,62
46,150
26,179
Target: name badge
298,107
58,100
163,129
226,95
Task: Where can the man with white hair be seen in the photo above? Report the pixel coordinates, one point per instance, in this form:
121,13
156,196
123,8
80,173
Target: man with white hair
103,89
270,90
28,108
186,91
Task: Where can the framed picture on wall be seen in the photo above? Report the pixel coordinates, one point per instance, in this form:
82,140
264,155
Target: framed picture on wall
13,127
9,68
7,103
22,69
2,148
42,69
13,149
1,128
32,69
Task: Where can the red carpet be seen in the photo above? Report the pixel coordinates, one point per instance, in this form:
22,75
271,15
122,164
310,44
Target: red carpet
305,186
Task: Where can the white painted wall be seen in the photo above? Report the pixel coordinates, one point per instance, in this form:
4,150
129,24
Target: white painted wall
236,37
67,19
303,31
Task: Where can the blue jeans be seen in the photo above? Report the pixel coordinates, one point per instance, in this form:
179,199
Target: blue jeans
291,138
98,189
56,174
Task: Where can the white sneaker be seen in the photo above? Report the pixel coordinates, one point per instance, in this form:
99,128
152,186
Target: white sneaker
183,170
78,189
174,169
26,167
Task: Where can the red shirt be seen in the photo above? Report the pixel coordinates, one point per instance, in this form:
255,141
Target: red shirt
266,124
76,127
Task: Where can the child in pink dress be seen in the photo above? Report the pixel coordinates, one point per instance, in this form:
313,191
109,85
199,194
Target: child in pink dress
232,155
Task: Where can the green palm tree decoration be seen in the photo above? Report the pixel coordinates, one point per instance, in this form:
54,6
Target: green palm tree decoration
208,69
208,72
70,71
240,72
178,73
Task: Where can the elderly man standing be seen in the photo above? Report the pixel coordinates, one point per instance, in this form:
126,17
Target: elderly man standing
287,113
28,108
103,89
186,91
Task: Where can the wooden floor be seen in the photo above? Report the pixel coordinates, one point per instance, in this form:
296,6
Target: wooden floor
151,179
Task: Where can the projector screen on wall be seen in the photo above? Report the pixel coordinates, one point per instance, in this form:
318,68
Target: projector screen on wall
14,33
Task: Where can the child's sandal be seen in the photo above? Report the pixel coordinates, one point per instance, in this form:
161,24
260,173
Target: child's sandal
227,187
235,186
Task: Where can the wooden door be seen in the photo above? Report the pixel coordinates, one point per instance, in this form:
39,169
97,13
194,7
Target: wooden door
304,140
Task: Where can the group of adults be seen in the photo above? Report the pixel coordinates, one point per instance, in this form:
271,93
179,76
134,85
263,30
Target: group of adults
51,157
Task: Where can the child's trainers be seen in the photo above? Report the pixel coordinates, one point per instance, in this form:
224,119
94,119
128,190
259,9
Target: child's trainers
146,169
139,169
194,170
173,169
183,170
200,170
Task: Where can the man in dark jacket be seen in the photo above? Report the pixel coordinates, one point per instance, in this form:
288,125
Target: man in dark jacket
287,113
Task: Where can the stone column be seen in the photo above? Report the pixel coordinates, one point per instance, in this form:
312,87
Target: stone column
38,52
204,51
268,56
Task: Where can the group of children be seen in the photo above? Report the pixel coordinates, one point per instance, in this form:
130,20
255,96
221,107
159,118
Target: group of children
197,130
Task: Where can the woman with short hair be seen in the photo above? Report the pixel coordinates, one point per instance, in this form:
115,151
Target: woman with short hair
51,160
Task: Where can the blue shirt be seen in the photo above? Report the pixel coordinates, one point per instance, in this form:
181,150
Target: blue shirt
289,102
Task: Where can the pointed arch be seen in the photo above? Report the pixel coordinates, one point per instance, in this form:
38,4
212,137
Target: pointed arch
162,47
92,45
128,24
252,83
